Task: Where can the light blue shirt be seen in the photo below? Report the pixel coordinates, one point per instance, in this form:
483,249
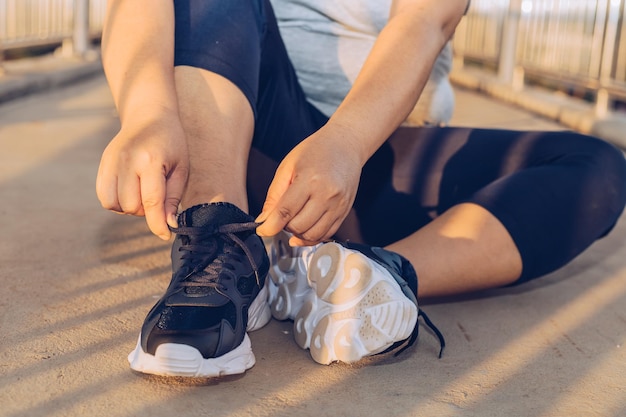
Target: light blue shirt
328,42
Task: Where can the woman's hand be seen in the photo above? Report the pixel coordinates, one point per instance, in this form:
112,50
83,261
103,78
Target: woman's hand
313,189
143,171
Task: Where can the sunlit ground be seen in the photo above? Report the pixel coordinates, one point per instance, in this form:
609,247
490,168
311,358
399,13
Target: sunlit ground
77,282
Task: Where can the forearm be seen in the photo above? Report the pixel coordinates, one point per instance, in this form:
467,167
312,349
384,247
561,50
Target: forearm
395,72
138,56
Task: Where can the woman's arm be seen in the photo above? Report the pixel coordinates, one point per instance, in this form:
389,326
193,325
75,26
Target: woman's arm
144,168
138,56
396,71
315,185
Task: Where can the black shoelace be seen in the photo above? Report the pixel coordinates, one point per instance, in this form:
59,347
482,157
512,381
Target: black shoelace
413,338
201,252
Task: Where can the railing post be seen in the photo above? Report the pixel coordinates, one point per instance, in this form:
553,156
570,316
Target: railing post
3,32
603,97
1,58
459,42
508,47
80,39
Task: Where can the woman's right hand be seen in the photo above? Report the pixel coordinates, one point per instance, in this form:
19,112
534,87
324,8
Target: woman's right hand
144,169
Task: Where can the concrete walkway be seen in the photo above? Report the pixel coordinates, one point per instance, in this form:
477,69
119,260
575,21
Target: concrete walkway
77,282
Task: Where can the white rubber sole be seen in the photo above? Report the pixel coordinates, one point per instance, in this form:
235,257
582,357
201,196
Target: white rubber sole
288,286
173,359
353,309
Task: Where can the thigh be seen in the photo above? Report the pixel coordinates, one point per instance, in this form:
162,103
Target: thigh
208,36
240,40
555,192
284,115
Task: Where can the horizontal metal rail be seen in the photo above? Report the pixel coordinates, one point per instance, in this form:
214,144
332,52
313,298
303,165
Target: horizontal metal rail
30,23
579,44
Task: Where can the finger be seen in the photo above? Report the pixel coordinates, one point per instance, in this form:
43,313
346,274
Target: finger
320,230
153,200
289,205
311,221
106,190
175,186
129,194
296,241
328,236
279,185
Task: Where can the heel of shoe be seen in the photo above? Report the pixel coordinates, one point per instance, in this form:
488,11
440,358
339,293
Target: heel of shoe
357,308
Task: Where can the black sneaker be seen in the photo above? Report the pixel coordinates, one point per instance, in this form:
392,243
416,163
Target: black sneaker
217,293
348,301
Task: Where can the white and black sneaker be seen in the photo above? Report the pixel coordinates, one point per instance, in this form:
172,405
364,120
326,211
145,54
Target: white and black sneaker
217,293
348,301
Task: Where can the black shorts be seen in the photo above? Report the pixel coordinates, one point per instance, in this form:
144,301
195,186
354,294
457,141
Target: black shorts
555,192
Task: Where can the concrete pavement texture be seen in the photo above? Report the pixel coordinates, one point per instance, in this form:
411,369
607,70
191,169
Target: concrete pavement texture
77,282
26,76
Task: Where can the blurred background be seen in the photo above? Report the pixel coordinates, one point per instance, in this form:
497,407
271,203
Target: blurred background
576,47
29,27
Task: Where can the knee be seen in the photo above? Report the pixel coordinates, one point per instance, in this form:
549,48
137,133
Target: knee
604,171
612,164
217,21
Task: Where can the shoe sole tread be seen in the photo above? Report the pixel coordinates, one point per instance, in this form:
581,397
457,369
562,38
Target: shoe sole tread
354,308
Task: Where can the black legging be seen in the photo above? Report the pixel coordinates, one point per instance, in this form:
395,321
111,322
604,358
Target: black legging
555,192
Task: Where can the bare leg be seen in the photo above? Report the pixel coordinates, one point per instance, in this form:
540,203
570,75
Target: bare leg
219,124
463,250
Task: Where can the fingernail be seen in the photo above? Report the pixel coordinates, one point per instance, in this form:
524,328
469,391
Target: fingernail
295,242
171,220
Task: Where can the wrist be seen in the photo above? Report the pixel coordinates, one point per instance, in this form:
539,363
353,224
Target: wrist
359,142
151,122
148,112
150,95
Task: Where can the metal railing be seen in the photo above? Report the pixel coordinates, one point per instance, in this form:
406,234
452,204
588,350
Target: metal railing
28,23
577,44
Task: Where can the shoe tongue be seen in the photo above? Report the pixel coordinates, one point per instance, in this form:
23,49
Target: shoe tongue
215,214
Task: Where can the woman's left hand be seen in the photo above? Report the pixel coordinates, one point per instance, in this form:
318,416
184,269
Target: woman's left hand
313,189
